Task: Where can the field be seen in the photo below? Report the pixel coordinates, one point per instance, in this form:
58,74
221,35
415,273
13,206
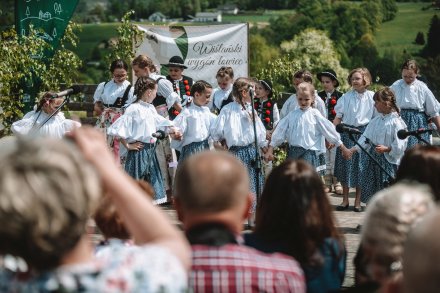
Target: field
400,33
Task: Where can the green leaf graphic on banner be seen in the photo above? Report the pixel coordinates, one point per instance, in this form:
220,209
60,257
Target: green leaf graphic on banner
182,43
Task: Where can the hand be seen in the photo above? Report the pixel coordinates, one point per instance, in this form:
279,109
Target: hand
268,135
98,108
268,156
220,145
328,145
264,149
347,153
382,149
175,133
135,146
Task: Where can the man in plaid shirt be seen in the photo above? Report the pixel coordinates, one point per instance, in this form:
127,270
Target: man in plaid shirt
212,200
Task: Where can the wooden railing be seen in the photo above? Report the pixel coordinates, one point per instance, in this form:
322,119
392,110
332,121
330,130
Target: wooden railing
84,102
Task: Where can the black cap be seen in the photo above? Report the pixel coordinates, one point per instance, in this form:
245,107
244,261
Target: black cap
176,61
329,73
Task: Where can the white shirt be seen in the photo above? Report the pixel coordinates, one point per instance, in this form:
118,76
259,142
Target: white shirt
111,91
415,96
235,126
138,123
55,127
382,130
194,123
356,109
218,96
307,129
291,104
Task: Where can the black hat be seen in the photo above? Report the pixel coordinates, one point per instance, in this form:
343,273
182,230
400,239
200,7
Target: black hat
176,61
267,86
329,73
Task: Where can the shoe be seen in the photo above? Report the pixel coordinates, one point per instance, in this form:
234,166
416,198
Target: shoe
342,208
357,209
338,188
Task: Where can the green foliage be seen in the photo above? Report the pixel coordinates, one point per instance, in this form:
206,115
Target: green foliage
18,66
364,54
432,48
420,39
431,69
260,53
389,9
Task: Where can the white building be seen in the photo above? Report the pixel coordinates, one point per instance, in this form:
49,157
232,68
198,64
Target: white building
208,17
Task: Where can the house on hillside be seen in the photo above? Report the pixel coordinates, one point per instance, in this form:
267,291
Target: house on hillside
229,8
208,17
157,16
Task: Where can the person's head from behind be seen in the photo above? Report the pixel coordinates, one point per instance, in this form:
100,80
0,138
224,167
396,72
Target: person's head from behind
143,66
118,69
421,164
145,89
301,76
225,77
294,210
212,186
47,192
240,90
201,92
390,215
421,256
108,220
359,79
410,71
305,95
385,101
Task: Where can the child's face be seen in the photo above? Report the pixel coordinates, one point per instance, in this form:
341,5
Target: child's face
357,82
224,82
328,84
409,75
202,99
305,100
150,94
119,75
296,81
139,72
175,73
261,92
382,106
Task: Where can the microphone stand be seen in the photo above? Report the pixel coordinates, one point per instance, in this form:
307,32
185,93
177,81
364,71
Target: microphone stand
371,157
420,138
257,161
66,100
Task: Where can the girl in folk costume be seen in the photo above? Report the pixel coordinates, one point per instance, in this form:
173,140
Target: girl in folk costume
354,109
194,122
234,129
305,129
381,141
56,126
109,98
330,96
416,101
221,96
267,111
136,128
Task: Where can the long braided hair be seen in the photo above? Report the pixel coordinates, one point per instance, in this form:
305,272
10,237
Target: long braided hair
142,85
239,85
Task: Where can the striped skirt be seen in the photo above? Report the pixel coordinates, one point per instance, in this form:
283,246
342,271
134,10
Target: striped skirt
143,165
246,154
193,148
415,120
372,177
312,157
347,171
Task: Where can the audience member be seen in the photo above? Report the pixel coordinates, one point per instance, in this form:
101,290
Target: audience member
212,199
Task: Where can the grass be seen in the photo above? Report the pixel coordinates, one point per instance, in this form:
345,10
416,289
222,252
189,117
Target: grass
400,33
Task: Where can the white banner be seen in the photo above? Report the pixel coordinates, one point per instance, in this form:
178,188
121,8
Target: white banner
204,49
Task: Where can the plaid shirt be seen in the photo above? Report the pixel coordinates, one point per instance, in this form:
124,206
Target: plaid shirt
234,268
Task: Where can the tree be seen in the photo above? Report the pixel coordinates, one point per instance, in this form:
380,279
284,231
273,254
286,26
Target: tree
431,69
432,48
389,9
260,54
420,39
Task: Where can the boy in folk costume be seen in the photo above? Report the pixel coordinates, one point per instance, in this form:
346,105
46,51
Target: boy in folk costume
181,83
330,96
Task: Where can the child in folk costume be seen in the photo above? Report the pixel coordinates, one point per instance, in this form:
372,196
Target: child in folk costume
305,129
194,122
292,102
221,96
381,141
330,96
109,98
267,111
234,129
416,101
354,109
181,83
136,128
56,126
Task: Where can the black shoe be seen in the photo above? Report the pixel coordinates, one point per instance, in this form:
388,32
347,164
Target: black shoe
358,209
342,208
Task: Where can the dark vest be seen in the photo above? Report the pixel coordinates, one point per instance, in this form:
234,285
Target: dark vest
331,103
265,112
184,89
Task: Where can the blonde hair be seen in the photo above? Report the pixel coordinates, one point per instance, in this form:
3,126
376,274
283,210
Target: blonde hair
389,217
47,192
143,61
366,75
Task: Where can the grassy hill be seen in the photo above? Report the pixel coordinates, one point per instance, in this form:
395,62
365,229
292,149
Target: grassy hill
400,33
